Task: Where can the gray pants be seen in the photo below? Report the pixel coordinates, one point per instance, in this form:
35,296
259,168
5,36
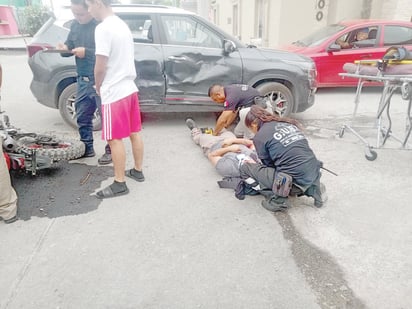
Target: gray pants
260,173
206,141
8,197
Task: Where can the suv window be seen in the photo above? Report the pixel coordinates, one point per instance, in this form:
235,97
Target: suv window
352,39
321,35
182,30
397,35
140,26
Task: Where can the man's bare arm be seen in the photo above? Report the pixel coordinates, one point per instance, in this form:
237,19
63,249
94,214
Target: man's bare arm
217,154
225,119
100,71
242,141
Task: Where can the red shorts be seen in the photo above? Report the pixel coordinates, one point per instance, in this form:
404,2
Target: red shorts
121,118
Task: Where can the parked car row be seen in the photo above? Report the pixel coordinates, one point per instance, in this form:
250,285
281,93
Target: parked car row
178,56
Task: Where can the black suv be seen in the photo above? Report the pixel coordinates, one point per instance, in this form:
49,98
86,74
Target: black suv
178,56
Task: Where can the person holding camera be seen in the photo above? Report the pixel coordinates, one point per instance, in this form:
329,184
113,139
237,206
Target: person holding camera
8,196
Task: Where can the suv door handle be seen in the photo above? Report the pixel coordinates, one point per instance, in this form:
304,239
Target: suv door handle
175,58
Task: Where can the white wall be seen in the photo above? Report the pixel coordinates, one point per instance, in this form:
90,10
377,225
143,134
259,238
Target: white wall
341,10
247,20
397,9
290,20
224,9
297,19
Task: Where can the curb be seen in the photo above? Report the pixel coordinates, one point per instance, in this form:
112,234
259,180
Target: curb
13,48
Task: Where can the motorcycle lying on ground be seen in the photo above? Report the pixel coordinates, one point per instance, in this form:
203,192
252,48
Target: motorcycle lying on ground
30,152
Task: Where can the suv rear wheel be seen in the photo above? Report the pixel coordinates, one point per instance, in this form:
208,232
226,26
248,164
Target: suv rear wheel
280,95
67,110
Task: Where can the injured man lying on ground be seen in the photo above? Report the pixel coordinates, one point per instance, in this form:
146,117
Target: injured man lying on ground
225,152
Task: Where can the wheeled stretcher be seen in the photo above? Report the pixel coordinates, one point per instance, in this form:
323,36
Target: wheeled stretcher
397,76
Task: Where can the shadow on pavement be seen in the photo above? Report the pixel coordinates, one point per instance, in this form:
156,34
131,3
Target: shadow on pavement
61,191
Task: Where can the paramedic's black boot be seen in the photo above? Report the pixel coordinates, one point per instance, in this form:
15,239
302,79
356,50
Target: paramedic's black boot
320,196
318,192
275,203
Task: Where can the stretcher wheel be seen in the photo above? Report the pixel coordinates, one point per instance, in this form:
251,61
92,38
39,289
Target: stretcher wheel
371,155
341,132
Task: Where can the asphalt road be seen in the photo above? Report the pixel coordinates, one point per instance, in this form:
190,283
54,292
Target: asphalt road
178,241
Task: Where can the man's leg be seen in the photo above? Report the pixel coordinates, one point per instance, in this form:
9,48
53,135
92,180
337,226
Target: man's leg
205,141
118,187
113,131
106,158
136,139
136,172
137,148
85,108
318,191
119,159
259,173
8,196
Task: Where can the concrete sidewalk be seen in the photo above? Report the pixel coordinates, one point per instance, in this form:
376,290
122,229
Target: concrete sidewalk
14,42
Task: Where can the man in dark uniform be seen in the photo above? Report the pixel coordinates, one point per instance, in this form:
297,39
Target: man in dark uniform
233,97
80,43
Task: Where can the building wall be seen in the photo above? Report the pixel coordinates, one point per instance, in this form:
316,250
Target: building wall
247,21
399,9
340,10
224,14
290,20
297,17
8,23
203,8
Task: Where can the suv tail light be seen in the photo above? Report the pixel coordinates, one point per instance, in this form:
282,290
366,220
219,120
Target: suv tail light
34,48
312,73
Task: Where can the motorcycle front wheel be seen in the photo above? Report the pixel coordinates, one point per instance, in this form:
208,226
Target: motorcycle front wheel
52,147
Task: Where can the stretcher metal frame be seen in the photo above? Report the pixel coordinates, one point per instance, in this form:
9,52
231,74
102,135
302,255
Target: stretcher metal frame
390,84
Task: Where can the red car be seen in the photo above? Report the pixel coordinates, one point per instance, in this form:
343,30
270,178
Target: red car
334,45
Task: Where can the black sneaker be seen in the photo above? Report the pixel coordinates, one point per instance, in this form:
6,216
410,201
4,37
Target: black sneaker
191,124
135,174
89,154
105,159
11,220
275,203
240,190
320,196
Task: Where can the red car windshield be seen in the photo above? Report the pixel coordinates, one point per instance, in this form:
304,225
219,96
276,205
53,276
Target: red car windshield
319,36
